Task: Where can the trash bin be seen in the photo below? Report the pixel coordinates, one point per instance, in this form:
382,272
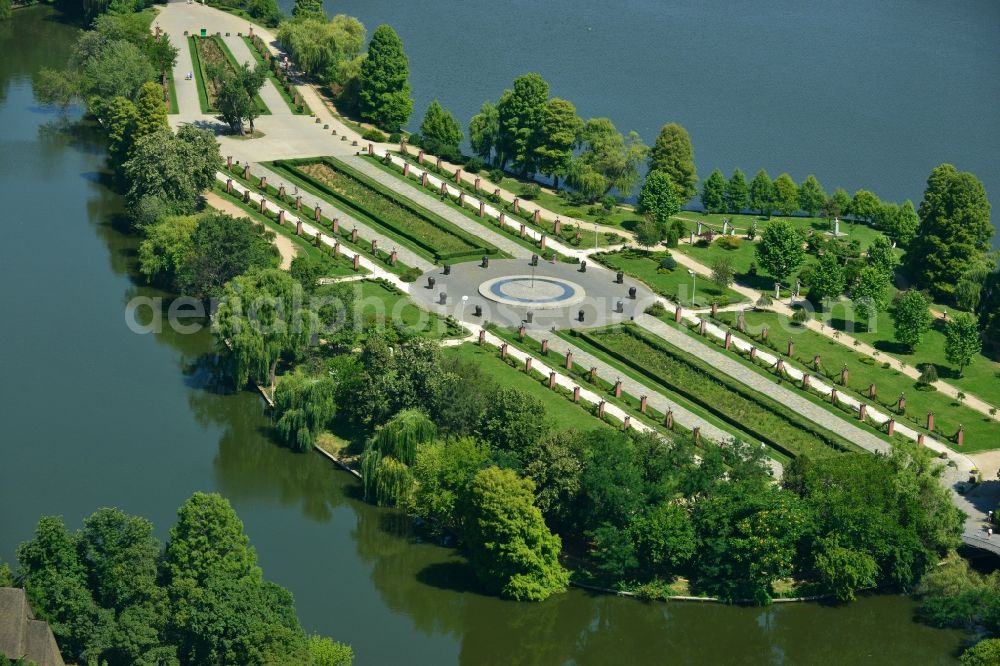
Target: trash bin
204,32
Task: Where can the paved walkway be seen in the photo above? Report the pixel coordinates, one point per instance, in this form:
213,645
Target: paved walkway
745,375
272,98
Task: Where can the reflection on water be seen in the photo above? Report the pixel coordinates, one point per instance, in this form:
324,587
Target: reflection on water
94,415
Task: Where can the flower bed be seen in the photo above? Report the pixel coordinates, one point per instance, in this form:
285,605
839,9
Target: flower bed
758,415
436,236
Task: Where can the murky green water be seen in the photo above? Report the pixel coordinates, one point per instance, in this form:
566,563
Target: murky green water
93,415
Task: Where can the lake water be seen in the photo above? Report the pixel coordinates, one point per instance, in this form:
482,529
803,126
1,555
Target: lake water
862,94
94,415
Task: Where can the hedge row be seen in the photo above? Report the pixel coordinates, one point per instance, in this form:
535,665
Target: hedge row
770,418
476,246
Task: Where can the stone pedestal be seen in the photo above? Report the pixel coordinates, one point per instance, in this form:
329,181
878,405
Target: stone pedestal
557,227
791,349
298,228
541,242
335,225
393,256
753,353
298,202
844,376
601,407
862,411
406,169
569,360
354,235
229,185
576,394
552,380
503,350
668,419
375,247
702,328
678,313
281,216
536,216
522,231
477,184
482,337
336,248
516,206
618,388
545,346
627,423
643,403
263,205
715,309
729,339
872,391
246,172
817,361
423,179
696,434
317,213
890,428
482,209
527,364
930,421
458,176
357,261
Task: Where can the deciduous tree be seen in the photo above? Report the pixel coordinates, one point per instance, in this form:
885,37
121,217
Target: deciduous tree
440,131
827,279
962,341
786,195
737,192
658,199
713,192
954,231
519,117
510,548
864,206
811,196
780,249
911,318
484,131
557,135
673,154
762,193
608,160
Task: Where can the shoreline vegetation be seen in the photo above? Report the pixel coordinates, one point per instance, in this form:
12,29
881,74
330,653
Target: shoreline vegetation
533,495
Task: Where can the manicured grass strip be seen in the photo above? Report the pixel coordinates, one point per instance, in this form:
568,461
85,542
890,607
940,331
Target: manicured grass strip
255,52
561,412
568,230
199,74
401,219
629,403
766,419
472,215
172,91
233,64
673,284
332,266
677,398
406,273
981,432
383,304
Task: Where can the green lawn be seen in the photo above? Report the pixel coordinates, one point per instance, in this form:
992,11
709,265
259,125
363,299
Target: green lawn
742,256
397,217
561,413
383,305
206,51
981,378
483,221
981,432
766,419
674,283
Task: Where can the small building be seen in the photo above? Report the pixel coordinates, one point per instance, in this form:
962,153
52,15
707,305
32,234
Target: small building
21,635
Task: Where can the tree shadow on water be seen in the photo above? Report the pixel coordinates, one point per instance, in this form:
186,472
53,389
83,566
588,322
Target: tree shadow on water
453,576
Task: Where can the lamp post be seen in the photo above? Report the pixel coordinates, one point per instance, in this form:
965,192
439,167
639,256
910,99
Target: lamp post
694,281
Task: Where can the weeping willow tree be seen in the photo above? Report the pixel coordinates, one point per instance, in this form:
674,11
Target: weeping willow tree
400,436
385,467
304,405
387,481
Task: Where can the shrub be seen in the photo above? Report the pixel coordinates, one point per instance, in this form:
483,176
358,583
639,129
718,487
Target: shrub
373,134
474,164
531,190
701,242
928,374
656,309
667,262
410,275
496,175
729,242
395,137
801,316
608,203
764,300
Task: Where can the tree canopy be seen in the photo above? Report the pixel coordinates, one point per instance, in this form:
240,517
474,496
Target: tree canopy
519,119
607,161
385,81
780,249
440,131
114,595
954,231
673,154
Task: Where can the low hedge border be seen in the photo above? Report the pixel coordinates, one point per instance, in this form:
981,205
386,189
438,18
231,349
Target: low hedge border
834,442
406,273
470,213
199,74
477,249
567,237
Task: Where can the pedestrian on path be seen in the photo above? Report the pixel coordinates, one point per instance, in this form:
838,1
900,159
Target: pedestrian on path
989,516
989,532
